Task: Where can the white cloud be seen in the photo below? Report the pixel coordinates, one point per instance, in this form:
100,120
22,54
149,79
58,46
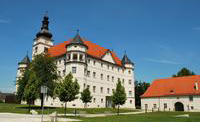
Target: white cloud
161,61
4,21
196,28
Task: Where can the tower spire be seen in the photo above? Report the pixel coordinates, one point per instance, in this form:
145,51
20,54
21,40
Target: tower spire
45,27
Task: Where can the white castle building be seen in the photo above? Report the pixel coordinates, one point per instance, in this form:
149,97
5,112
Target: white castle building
173,94
93,66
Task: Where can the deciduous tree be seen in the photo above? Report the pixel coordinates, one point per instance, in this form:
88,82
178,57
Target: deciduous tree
119,95
184,72
140,88
86,97
68,89
45,71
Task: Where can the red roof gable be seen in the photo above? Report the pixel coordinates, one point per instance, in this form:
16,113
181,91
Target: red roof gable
93,50
174,86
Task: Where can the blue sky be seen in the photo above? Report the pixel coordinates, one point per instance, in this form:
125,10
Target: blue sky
159,36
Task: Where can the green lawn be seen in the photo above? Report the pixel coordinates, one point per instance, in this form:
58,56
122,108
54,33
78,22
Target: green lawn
16,108
149,117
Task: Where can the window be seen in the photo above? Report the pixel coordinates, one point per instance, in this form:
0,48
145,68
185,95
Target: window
108,90
63,72
129,82
154,106
129,71
88,60
123,81
94,89
101,100
75,56
68,56
88,86
59,61
36,49
81,57
191,98
112,90
165,105
58,72
146,106
108,77
130,93
112,78
84,85
112,68
101,76
131,101
118,69
94,100
88,73
45,49
118,79
73,69
94,62
101,89
94,74
101,64
192,107
108,66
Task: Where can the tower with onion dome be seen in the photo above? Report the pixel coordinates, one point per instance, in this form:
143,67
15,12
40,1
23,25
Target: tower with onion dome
43,40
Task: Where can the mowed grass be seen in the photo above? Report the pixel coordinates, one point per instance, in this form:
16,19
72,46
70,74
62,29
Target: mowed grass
17,108
147,117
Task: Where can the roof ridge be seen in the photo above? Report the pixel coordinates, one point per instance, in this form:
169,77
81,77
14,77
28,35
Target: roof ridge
176,77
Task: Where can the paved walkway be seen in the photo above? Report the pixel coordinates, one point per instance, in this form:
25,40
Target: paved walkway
101,115
10,117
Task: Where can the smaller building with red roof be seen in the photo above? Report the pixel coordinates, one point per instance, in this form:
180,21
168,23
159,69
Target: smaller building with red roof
173,94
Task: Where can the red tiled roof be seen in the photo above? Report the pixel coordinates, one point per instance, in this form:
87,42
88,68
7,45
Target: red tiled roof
174,86
93,50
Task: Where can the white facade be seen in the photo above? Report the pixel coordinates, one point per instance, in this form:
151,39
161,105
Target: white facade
189,103
99,74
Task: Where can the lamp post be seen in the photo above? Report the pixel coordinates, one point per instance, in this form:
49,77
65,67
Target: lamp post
43,91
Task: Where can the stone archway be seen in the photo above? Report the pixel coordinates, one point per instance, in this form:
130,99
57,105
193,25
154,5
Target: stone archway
179,106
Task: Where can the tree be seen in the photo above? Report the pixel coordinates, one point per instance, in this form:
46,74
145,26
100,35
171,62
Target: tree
21,84
31,92
86,96
119,95
45,71
140,88
67,90
183,72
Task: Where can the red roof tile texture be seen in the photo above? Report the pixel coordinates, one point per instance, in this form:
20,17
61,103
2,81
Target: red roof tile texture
94,50
174,86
